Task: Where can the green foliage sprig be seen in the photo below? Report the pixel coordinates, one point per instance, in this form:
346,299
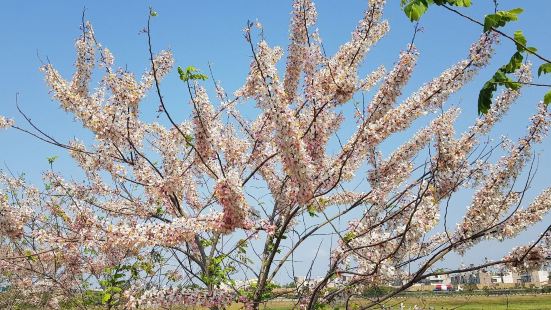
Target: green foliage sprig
501,78
500,18
218,273
191,73
414,9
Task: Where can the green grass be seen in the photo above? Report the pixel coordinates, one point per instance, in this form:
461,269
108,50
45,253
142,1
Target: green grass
532,302
511,302
441,302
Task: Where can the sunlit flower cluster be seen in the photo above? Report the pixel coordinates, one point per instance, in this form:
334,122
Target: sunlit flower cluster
528,257
229,193
6,122
169,297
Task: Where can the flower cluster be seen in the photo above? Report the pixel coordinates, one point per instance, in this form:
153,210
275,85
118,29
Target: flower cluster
390,173
338,79
392,85
430,96
168,297
229,193
12,217
5,122
304,15
522,219
528,257
494,198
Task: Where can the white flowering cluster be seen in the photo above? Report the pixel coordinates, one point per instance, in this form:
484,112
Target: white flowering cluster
494,198
12,217
528,257
168,297
5,122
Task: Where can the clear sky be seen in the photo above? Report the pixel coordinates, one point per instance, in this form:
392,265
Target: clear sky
199,32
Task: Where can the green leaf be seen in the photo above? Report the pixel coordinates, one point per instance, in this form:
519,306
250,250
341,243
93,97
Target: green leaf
349,236
415,9
514,64
485,96
152,12
515,12
490,21
159,211
105,298
501,18
199,76
30,256
462,3
52,159
545,68
205,242
189,139
512,85
118,276
547,98
519,37
500,78
116,289
191,73
311,210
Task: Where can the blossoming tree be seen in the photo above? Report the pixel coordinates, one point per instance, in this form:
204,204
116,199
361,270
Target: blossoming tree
172,215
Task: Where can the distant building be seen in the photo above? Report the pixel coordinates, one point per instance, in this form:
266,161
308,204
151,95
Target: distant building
509,277
469,277
488,278
536,277
443,279
309,283
485,277
240,284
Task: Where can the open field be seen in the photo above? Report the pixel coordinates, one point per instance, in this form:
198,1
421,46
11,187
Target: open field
477,302
512,302
440,302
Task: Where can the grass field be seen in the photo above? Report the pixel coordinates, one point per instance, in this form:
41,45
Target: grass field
512,302
441,302
477,302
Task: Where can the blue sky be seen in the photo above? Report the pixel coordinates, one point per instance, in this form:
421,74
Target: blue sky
199,32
